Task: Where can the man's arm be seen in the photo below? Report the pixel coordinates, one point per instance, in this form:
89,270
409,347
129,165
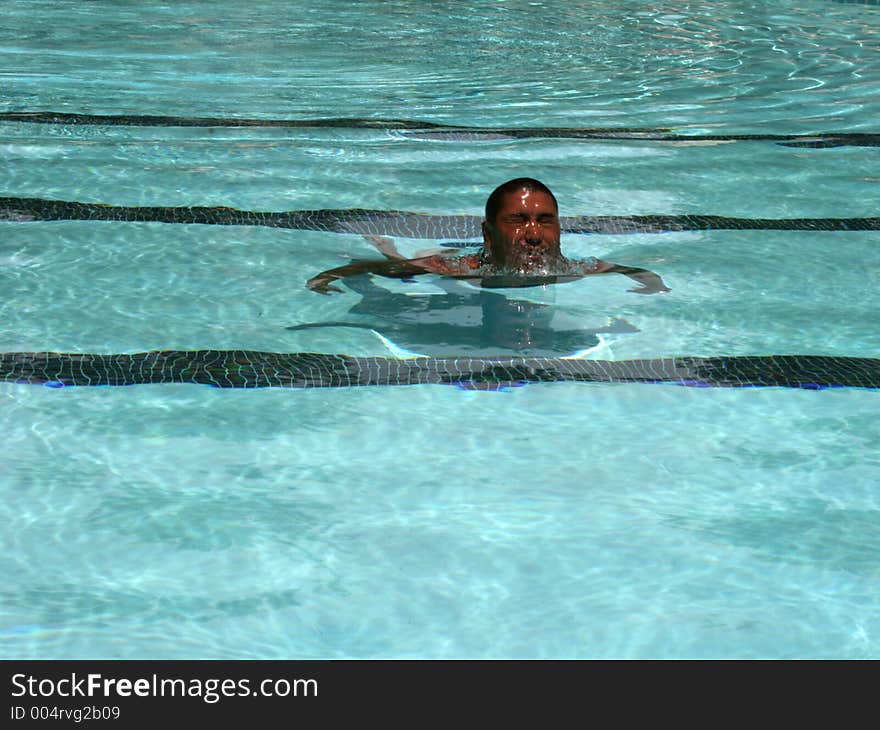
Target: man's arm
390,267
651,283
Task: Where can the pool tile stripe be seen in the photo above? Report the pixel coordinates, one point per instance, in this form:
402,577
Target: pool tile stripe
256,369
446,132
397,222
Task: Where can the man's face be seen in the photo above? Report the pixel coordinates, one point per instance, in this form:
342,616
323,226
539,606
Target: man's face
524,236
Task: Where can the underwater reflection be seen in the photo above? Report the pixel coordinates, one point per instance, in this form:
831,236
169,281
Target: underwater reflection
457,318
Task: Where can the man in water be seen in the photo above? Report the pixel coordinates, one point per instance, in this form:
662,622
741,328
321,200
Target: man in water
521,247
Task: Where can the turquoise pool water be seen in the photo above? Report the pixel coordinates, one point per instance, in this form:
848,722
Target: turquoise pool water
551,520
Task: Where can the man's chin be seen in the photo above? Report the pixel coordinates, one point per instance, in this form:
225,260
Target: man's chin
533,262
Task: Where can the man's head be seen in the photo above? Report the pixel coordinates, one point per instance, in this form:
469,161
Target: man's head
521,231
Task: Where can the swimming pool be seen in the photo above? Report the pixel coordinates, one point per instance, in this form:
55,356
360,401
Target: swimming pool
556,519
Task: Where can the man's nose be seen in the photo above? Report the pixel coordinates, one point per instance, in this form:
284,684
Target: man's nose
532,231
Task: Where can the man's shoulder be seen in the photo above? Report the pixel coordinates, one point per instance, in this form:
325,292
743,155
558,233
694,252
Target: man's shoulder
450,265
582,267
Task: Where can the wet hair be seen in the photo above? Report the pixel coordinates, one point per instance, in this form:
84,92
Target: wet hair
520,183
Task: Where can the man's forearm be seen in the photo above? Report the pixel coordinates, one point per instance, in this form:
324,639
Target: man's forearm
393,267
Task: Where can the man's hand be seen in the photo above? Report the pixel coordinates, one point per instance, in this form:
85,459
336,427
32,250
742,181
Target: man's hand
321,284
650,289
650,282
385,246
